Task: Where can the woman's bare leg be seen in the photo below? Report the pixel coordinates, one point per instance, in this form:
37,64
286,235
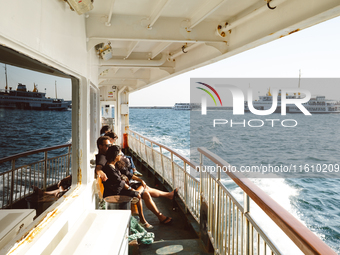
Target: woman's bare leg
158,193
41,192
52,192
150,204
140,212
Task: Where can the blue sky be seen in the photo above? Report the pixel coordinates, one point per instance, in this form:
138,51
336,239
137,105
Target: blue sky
314,50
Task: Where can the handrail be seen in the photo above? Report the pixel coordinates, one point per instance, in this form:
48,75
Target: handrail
17,183
186,160
305,239
27,153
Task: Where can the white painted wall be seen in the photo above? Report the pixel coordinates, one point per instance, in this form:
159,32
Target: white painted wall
48,31
48,28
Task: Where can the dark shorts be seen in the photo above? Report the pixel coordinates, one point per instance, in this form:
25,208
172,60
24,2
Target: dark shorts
129,193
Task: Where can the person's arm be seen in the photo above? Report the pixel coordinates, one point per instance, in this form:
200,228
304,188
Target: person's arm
100,173
134,177
100,163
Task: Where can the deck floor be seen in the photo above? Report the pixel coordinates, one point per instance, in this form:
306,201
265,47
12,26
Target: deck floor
177,238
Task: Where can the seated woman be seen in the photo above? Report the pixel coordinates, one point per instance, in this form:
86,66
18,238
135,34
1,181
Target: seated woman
123,167
116,185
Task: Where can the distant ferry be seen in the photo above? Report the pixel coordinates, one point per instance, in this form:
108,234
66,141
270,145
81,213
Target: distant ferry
182,106
186,106
317,104
21,98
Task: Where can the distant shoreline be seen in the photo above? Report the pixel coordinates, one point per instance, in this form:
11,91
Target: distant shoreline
150,107
170,107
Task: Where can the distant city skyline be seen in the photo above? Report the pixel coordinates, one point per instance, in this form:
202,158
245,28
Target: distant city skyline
315,51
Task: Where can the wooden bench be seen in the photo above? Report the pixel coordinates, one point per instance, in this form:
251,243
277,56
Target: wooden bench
100,191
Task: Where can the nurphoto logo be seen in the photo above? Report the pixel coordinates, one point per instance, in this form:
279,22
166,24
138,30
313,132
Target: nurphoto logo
239,102
278,100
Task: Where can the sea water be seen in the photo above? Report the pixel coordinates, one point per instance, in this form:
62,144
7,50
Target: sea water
314,201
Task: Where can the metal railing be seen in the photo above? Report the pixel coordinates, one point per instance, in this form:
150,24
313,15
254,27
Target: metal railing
231,228
40,170
173,167
254,239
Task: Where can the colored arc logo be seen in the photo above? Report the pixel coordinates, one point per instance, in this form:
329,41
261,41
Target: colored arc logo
212,89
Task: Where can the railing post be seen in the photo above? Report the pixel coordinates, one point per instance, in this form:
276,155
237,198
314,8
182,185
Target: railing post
140,146
45,170
68,161
201,180
185,187
173,170
162,163
12,184
146,152
246,208
217,210
153,157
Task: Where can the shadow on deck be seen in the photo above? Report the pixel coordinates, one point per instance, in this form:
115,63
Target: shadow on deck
181,237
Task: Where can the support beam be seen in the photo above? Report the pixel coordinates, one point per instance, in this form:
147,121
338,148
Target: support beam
157,12
159,48
106,72
127,28
108,22
168,69
223,28
127,75
203,12
134,70
133,62
131,47
184,50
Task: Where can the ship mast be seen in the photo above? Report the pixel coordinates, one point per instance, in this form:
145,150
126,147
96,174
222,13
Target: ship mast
6,78
55,85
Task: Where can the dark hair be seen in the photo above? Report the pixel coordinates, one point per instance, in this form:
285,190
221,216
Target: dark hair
100,140
112,153
104,129
126,161
111,134
120,165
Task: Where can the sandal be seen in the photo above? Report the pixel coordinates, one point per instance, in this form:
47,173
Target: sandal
146,225
166,221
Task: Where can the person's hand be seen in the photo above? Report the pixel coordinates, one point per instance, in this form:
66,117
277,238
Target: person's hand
102,175
144,184
137,193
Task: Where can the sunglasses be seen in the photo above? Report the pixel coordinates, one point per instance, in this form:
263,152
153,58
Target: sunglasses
109,145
